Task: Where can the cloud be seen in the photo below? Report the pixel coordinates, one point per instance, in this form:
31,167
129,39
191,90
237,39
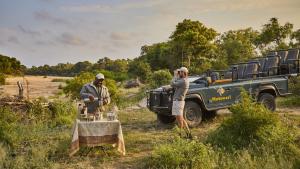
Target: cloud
46,16
105,8
13,39
120,36
69,39
28,31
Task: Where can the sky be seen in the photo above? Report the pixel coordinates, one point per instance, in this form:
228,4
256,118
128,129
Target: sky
39,32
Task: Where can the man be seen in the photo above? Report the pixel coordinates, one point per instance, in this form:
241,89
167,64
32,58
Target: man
181,84
96,94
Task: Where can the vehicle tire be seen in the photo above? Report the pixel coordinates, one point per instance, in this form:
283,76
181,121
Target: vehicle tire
267,100
192,113
165,119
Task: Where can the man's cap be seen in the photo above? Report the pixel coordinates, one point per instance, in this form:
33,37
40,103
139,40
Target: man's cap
184,69
100,76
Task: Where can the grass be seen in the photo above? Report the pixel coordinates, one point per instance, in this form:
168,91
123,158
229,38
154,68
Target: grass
252,137
58,80
291,101
40,139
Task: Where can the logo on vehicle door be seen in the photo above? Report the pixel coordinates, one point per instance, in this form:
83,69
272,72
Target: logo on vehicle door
221,91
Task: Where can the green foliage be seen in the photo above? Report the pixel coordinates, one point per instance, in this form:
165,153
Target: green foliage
140,69
74,85
118,65
2,79
296,37
8,125
192,45
182,153
116,76
62,112
291,101
251,123
159,78
275,33
251,138
10,65
238,45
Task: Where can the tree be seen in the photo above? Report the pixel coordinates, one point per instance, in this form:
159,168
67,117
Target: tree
238,45
295,37
140,69
273,35
10,65
159,78
157,55
193,45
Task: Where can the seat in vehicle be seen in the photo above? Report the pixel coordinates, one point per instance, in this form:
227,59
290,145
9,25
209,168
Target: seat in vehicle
251,70
270,67
282,55
291,63
241,70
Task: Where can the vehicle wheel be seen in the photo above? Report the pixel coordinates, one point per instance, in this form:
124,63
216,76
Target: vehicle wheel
192,113
166,119
267,100
210,114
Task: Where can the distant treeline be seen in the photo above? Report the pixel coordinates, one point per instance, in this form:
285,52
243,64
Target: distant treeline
191,44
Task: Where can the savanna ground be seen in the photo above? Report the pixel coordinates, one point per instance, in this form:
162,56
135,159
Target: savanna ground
142,133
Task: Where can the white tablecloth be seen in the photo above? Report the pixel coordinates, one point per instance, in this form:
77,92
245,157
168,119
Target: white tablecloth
96,133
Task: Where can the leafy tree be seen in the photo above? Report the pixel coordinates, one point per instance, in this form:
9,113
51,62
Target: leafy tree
159,78
238,45
296,38
193,45
273,35
158,55
10,65
140,69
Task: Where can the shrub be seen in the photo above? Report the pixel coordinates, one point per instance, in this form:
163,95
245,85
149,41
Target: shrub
8,125
62,112
140,69
159,78
182,153
2,79
251,123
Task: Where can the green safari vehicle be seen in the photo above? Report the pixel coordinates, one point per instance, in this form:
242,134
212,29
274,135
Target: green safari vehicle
264,78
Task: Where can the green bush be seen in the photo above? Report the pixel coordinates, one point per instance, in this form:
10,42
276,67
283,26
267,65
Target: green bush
182,153
62,112
8,126
2,79
251,123
159,78
294,85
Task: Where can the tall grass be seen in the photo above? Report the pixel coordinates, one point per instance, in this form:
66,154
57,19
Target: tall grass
37,138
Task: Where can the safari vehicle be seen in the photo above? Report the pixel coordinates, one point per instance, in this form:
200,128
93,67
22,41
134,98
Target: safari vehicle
264,78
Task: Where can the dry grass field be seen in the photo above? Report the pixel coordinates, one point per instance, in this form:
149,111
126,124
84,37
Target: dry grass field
38,86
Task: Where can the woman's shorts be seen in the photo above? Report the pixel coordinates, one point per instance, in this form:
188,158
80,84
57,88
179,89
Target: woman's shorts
177,108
